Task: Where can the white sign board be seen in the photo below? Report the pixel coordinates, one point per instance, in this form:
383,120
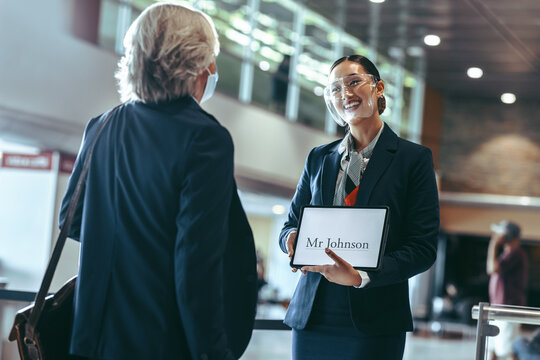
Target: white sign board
356,234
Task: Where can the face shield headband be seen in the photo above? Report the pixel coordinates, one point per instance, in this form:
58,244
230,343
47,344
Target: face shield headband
350,97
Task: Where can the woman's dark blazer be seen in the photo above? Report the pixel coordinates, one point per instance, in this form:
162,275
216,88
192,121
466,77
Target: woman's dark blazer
168,266
399,175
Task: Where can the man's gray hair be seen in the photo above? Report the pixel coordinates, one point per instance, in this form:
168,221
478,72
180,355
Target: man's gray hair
166,47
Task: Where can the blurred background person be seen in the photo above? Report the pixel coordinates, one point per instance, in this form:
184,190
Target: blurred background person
280,84
507,267
261,271
527,347
167,267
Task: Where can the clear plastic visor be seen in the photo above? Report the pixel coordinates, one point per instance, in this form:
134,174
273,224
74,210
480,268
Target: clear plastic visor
350,97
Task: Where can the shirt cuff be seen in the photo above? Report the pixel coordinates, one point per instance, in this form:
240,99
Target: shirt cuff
290,231
365,279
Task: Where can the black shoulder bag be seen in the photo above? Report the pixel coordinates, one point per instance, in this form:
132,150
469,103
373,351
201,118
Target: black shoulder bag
43,329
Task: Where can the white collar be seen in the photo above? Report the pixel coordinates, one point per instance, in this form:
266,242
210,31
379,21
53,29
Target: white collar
345,145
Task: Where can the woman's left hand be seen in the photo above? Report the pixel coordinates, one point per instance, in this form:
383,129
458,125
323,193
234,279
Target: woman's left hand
341,272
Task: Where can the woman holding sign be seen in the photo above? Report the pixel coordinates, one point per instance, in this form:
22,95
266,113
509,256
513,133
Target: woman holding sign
337,311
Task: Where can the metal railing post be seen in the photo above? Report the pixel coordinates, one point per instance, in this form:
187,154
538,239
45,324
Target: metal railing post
248,69
483,330
293,92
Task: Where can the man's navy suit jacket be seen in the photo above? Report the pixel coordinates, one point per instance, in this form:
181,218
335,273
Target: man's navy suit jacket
167,266
399,175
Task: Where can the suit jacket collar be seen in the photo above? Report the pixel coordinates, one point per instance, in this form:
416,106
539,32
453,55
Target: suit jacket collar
331,164
173,106
382,156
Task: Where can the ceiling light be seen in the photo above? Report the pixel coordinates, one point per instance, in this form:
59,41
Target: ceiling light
278,209
436,326
318,90
475,72
508,98
264,65
432,40
377,1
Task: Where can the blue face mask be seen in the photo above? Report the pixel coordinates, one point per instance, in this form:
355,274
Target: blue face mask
210,86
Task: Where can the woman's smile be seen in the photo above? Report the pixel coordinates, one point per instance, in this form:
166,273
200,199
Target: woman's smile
352,105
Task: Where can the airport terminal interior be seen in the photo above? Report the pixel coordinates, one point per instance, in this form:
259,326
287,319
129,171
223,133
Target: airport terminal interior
461,78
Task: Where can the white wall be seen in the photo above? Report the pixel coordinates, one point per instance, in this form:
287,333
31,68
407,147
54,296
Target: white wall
68,265
29,204
46,71
267,146
26,216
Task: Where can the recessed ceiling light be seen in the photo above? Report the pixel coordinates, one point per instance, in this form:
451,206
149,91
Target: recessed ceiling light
278,209
432,40
475,72
264,65
377,1
508,98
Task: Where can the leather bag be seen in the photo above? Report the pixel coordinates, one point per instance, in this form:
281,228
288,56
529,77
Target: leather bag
43,329
51,337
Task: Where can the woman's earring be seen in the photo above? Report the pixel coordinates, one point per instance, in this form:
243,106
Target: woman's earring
381,104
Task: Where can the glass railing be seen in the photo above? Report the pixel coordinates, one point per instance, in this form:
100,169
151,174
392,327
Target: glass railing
498,331
276,54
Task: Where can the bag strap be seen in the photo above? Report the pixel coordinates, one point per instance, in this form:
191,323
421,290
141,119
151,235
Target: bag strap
39,302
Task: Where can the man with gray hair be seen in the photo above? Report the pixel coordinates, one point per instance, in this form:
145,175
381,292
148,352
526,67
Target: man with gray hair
507,266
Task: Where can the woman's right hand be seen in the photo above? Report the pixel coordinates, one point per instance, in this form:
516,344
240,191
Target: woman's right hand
291,238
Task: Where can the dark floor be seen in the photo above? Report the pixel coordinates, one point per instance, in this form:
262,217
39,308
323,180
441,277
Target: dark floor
275,345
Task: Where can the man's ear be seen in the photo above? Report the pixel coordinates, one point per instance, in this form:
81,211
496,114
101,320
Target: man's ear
212,67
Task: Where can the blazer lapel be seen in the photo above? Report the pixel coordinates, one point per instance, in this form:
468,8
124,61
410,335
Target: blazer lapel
330,171
382,156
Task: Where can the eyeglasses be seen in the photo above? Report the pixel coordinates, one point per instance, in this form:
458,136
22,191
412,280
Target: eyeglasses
351,82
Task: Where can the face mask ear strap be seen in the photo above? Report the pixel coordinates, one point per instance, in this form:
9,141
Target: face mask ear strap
210,86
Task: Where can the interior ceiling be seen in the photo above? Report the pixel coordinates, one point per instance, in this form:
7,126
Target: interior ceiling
501,37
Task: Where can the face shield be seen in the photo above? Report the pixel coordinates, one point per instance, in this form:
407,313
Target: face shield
350,97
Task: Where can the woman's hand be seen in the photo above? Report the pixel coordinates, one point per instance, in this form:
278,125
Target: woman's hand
290,245
341,272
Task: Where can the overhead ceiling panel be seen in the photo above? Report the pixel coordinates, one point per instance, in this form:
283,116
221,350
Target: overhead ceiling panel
501,37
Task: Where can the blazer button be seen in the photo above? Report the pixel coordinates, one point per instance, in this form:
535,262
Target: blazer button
204,357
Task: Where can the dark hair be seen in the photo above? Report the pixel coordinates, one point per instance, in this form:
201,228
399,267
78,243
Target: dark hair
362,60
370,69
